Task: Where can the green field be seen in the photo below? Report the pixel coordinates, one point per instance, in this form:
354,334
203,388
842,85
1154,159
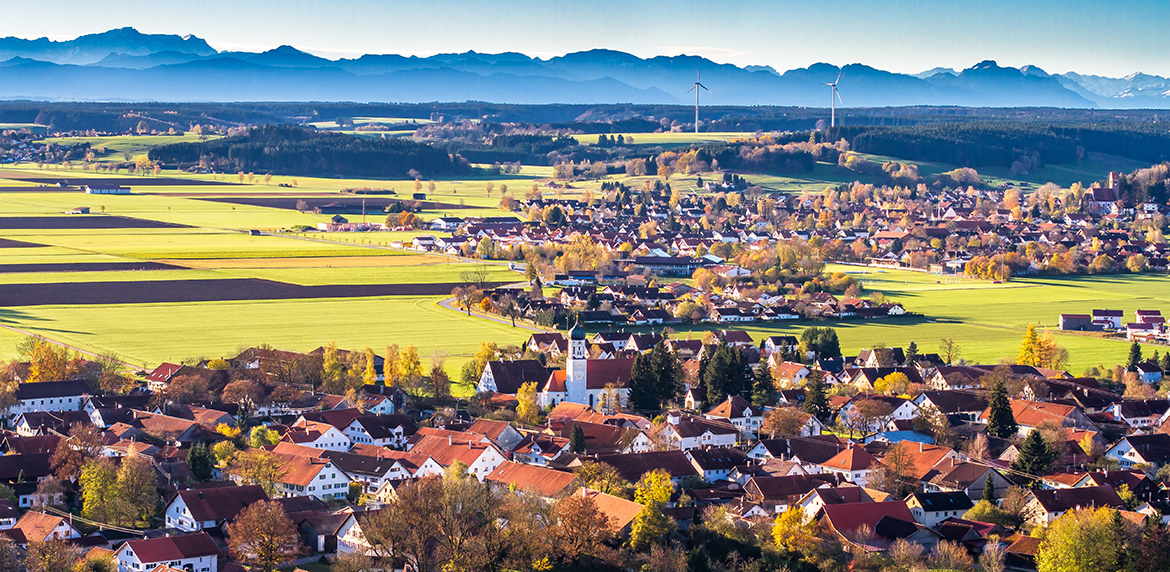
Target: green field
987,320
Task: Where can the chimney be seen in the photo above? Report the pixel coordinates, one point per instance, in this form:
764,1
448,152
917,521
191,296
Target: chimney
201,495
450,441
920,447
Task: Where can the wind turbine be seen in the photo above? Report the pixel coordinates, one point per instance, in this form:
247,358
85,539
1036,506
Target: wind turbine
695,88
836,97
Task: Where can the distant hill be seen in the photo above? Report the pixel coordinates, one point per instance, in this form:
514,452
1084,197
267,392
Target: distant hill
125,64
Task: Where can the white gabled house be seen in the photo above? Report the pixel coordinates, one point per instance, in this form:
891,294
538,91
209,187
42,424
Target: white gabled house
67,395
192,553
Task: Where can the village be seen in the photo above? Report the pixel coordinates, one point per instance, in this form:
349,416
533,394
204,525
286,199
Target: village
890,447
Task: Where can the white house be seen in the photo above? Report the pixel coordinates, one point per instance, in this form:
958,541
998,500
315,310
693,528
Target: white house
930,509
67,395
587,381
736,410
317,435
1152,449
195,509
380,430
686,432
193,553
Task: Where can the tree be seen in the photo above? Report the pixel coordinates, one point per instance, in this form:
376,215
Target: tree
896,383
867,416
54,555
137,492
1036,456
1030,348
201,461
986,511
989,488
911,354
784,421
527,410
1000,420
725,374
579,528
83,443
409,365
949,351
508,308
1135,356
654,487
764,387
822,342
650,527
1079,540
10,559
815,399
793,531
264,537
258,467
370,376
577,439
244,393
601,477
332,368
187,389
261,436
643,383
98,482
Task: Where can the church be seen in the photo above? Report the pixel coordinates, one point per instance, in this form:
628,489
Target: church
584,380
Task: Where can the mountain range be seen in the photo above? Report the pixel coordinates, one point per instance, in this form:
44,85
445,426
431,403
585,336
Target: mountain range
126,65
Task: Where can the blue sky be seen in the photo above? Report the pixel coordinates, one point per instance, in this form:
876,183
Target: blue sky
1112,38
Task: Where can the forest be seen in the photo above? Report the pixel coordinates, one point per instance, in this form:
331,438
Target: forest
1002,143
297,151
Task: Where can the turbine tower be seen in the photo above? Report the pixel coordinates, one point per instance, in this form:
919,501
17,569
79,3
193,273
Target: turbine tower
835,98
695,88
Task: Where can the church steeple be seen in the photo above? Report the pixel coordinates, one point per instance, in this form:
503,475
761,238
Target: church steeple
575,365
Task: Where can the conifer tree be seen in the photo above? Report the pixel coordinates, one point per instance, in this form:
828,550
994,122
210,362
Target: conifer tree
1000,420
764,388
577,439
815,401
911,354
643,383
1135,356
1036,457
989,489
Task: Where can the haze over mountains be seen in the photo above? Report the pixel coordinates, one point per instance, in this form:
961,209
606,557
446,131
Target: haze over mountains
126,65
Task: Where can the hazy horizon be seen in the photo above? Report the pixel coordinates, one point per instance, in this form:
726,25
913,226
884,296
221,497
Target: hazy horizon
905,37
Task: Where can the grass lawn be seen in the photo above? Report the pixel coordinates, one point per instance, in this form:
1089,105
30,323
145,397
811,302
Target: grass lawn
987,320
116,145
152,333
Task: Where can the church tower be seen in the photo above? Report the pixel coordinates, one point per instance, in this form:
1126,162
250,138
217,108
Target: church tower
575,375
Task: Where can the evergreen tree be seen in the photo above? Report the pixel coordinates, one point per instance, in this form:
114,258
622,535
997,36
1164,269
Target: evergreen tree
1036,457
1000,420
577,439
201,461
725,375
1165,363
1135,356
764,388
668,372
643,383
911,354
815,400
989,488
1120,541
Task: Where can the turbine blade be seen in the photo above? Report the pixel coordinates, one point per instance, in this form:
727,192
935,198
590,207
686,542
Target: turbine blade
691,89
839,76
838,94
703,86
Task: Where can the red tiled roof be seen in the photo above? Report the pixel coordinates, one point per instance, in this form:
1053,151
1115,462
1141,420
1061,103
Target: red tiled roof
533,479
168,548
852,459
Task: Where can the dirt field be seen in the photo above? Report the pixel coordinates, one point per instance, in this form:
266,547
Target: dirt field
9,243
86,267
373,204
176,291
120,181
80,222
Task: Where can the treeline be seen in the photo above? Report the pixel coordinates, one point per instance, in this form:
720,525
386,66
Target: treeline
297,151
1002,143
